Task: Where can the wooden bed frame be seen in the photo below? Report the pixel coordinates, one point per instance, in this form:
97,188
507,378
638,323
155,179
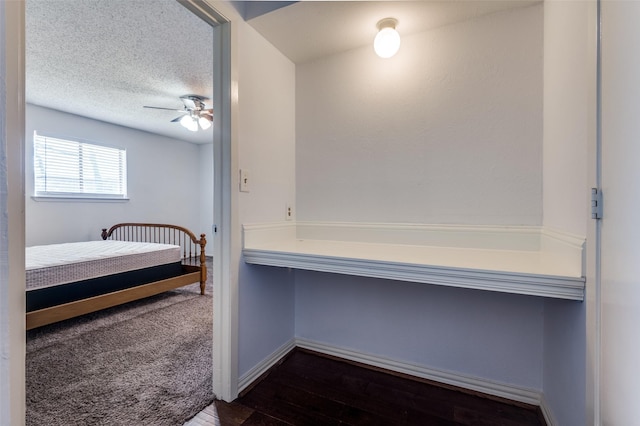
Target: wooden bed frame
194,269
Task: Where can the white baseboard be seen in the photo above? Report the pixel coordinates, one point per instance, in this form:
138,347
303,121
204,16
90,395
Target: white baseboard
546,412
502,390
515,393
262,367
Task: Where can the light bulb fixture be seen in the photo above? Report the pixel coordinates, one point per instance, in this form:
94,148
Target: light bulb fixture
387,41
189,122
196,114
204,123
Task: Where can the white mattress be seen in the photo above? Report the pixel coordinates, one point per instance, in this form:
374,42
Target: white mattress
56,264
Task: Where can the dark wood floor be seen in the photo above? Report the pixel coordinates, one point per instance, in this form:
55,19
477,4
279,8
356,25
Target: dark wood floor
311,389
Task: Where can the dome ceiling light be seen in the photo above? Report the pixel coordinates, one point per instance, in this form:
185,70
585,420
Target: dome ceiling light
387,41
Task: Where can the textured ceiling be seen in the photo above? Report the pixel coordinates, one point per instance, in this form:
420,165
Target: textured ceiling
106,59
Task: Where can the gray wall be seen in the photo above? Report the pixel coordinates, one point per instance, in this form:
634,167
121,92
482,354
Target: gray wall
475,333
565,361
163,182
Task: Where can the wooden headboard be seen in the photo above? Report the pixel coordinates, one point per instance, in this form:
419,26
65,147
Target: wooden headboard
193,249
191,246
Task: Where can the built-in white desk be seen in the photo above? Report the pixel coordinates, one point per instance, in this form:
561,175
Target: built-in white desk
522,260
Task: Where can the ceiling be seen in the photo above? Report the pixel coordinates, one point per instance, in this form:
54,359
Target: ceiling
307,30
107,59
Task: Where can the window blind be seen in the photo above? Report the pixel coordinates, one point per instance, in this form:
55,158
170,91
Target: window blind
67,168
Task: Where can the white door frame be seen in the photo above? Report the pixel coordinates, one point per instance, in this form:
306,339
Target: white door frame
12,227
593,282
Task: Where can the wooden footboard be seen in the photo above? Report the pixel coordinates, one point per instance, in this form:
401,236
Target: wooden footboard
193,249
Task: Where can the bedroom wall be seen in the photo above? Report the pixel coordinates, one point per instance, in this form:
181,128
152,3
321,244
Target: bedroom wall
447,131
162,176
266,148
568,86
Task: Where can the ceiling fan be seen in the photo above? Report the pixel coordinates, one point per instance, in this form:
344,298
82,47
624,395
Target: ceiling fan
194,113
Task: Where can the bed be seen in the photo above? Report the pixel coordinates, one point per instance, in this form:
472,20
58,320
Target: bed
131,262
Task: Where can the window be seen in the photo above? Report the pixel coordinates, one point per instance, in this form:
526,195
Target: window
65,168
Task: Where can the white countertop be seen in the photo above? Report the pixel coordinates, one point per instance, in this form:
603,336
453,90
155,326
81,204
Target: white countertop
514,271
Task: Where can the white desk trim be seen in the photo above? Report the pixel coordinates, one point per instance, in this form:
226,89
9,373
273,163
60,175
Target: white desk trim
523,260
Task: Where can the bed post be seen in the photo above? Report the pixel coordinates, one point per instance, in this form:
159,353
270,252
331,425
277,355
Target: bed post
203,264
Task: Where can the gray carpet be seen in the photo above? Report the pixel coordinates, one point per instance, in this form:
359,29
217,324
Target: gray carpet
145,363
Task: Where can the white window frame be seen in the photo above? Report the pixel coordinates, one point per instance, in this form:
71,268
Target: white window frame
78,167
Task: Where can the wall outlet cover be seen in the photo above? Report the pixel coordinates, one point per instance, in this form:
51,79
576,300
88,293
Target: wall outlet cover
244,180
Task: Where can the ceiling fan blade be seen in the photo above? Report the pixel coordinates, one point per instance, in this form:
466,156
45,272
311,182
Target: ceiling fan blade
194,107
167,109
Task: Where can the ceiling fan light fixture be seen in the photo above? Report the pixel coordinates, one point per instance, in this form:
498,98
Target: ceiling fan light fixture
196,114
204,123
189,123
387,41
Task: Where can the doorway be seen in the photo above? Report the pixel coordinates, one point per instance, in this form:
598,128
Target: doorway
220,235
223,387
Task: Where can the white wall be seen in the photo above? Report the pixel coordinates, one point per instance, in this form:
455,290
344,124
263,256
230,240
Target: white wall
162,175
566,106
447,131
620,269
567,92
12,296
266,148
